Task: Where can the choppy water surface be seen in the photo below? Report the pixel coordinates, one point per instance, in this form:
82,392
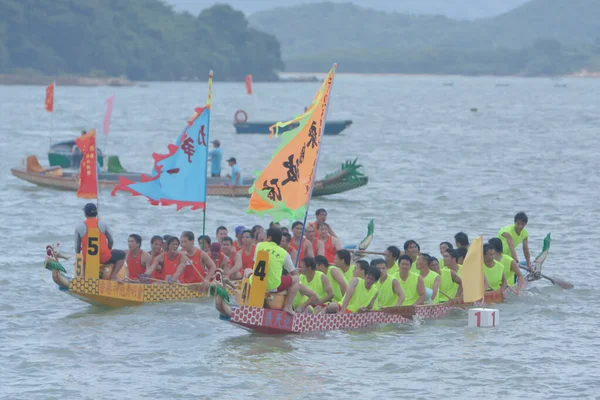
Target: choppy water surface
435,168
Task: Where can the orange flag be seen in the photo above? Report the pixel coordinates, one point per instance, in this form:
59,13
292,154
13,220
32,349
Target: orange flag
88,169
284,187
249,84
49,104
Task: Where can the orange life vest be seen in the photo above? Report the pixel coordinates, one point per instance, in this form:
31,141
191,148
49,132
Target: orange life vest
330,250
190,275
134,265
105,252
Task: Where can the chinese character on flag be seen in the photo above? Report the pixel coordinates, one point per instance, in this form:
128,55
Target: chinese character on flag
88,172
49,104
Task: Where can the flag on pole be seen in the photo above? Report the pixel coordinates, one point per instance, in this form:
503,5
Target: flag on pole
88,169
178,177
107,115
49,103
249,84
283,189
472,272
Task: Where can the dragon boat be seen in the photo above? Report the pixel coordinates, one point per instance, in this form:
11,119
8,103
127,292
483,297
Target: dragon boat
263,314
348,177
90,284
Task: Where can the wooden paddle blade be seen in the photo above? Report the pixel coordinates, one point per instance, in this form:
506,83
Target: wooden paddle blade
559,282
405,311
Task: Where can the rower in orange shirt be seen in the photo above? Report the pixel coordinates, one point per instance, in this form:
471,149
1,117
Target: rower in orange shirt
201,267
218,257
245,257
321,215
104,245
331,244
137,260
172,262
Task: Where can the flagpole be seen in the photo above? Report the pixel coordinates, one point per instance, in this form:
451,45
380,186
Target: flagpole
106,126
105,152
97,175
52,116
209,101
312,183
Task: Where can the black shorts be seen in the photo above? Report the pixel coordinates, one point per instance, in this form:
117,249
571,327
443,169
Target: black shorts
117,255
215,175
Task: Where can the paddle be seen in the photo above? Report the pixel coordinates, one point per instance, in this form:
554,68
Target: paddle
366,252
555,281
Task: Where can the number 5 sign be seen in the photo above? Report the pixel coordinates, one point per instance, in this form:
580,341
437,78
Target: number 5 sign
92,256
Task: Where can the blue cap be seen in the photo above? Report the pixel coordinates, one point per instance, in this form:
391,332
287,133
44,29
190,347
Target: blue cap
239,230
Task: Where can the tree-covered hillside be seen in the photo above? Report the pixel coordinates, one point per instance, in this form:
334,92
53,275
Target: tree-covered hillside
141,39
540,37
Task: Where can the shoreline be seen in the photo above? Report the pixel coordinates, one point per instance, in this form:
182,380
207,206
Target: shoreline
284,77
42,80
580,74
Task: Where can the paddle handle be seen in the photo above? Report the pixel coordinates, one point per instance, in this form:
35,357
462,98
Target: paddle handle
367,252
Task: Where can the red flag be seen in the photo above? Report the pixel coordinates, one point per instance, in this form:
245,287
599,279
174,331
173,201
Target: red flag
109,107
88,169
249,84
50,97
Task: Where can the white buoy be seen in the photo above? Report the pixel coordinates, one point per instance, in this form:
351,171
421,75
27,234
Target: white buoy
484,317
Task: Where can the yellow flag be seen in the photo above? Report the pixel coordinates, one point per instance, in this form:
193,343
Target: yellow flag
472,272
282,190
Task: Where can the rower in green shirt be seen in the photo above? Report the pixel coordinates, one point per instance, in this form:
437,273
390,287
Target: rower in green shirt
513,235
511,269
391,255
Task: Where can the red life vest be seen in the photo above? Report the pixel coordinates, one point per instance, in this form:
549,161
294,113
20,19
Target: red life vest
219,260
134,265
231,258
248,259
330,251
190,275
105,252
295,247
236,246
315,245
169,267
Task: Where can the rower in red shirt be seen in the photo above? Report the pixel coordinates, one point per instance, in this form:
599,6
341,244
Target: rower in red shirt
137,259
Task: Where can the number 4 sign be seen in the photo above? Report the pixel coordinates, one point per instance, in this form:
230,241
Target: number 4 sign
258,286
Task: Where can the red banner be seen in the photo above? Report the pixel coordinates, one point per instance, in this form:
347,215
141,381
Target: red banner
109,107
88,169
49,104
249,84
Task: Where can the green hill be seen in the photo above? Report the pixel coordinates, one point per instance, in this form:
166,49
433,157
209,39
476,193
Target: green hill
141,39
542,37
458,9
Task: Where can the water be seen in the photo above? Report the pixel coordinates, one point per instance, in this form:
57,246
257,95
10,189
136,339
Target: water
435,168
